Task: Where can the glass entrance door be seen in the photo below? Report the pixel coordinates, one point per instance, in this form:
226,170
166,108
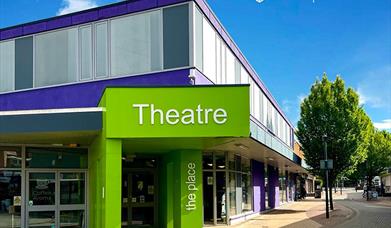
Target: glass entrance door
56,199
139,207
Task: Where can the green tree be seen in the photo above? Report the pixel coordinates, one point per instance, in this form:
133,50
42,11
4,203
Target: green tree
379,156
331,110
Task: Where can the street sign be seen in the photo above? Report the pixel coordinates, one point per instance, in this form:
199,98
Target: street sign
326,164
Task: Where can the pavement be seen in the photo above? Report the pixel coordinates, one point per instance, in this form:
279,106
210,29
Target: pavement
350,210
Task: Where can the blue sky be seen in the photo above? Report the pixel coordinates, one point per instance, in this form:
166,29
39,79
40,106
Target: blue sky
290,43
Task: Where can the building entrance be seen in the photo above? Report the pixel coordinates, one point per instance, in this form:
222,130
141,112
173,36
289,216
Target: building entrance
139,193
56,198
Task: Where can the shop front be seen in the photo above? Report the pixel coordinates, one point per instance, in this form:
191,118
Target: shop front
150,152
145,157
134,161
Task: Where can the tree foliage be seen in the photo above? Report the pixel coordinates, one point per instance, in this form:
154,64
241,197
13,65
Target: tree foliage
333,111
379,155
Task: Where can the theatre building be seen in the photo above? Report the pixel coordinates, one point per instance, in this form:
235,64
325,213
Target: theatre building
141,113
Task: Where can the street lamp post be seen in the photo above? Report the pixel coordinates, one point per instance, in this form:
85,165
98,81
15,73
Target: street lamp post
327,176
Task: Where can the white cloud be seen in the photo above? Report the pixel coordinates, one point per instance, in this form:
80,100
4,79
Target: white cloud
384,125
301,98
70,6
286,105
259,1
374,90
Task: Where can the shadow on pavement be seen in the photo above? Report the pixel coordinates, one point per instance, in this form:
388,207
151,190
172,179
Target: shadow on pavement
310,200
284,211
339,215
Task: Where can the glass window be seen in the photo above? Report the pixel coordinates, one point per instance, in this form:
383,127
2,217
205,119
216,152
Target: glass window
209,37
246,193
207,161
10,157
276,124
101,50
10,198
220,160
221,197
234,162
198,44
42,188
264,111
72,188
43,219
246,165
131,162
85,52
282,188
56,158
266,189
135,44
73,219
232,193
56,57
7,66
230,65
269,123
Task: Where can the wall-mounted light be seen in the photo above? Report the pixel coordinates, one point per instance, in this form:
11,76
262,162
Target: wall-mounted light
241,146
270,158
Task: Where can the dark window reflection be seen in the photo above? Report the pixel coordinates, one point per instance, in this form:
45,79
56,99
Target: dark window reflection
72,219
10,198
10,157
72,188
56,158
207,161
220,160
42,189
42,219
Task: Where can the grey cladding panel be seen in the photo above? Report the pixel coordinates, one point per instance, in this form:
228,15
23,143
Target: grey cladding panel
176,36
24,63
82,121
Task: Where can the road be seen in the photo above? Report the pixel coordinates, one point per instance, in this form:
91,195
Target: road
367,214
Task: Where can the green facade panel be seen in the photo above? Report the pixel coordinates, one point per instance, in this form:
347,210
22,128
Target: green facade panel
180,173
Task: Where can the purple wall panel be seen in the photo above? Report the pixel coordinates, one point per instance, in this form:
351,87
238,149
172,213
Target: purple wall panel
142,5
200,78
84,94
10,33
113,11
169,2
84,17
274,191
59,23
34,28
258,174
